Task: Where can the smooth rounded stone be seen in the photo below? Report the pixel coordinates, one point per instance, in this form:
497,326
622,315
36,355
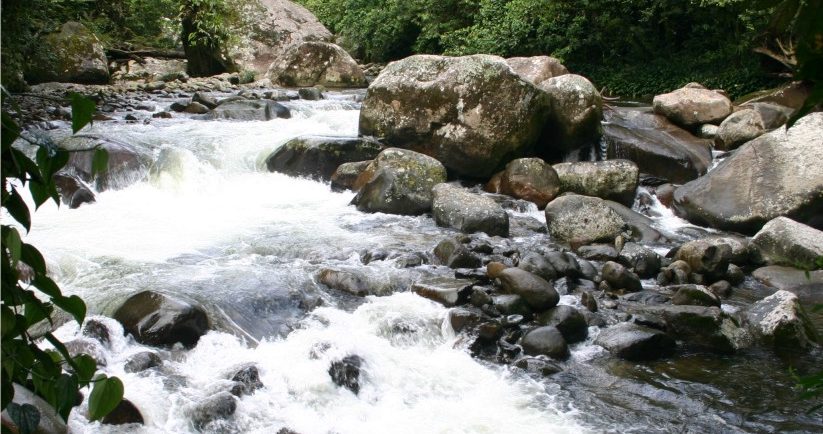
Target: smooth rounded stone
569,285
125,413
612,179
317,157
530,179
773,115
547,341
783,241
399,181
568,320
780,321
589,301
453,254
619,278
196,108
246,379
576,112
538,365
73,191
580,220
598,252
774,175
786,278
690,107
353,282
538,293
346,174
721,288
472,113
564,263
641,226
706,257
203,99
310,93
462,319
126,163
737,129
160,320
537,69
493,269
444,290
457,208
635,342
694,295
656,145
645,262
537,264
249,110
346,372
50,422
178,107
742,252
675,273
142,361
221,405
588,270
511,304
316,63
71,55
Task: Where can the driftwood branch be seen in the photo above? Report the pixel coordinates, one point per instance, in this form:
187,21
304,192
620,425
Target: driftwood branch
138,55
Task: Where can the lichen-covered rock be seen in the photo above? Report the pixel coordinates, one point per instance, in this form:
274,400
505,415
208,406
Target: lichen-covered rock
575,115
612,179
635,342
692,106
657,146
775,175
72,55
781,322
538,293
316,63
456,207
582,220
399,181
156,319
317,157
530,179
472,113
784,241
537,69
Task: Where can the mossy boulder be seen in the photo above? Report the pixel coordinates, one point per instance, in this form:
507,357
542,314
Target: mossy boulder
72,55
582,220
612,179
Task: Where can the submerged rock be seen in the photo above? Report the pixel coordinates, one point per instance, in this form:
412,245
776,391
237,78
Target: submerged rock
467,212
346,372
316,63
157,319
318,157
612,179
635,342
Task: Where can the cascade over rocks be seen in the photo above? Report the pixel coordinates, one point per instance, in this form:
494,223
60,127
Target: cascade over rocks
781,322
456,207
575,115
316,63
783,241
612,179
472,113
693,105
399,181
126,163
249,110
160,320
775,175
72,55
529,179
537,69
657,146
318,157
582,220
346,372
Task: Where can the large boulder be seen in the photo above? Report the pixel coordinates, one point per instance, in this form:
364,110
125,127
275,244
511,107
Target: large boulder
316,63
49,422
72,55
582,220
657,146
456,207
737,129
126,163
399,181
635,342
538,293
780,321
472,113
537,69
530,179
157,319
272,28
784,241
612,179
575,115
776,174
317,157
249,110
692,106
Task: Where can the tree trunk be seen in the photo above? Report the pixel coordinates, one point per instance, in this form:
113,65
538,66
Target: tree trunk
203,60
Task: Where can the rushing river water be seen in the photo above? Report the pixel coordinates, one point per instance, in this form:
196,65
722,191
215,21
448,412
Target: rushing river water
210,224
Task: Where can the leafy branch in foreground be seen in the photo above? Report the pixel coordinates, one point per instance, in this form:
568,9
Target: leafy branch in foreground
29,295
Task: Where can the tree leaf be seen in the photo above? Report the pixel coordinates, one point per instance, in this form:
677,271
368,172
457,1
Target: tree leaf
100,161
7,392
25,416
65,395
105,396
32,257
13,243
84,367
73,305
82,111
18,209
7,320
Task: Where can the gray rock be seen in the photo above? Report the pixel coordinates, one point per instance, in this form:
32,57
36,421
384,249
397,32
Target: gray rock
511,304
310,93
455,207
160,320
546,341
202,98
737,129
783,241
705,327
786,278
538,293
454,254
635,342
221,405
537,264
446,291
318,157
141,361
568,320
706,257
125,413
612,179
345,280
582,220
399,181
694,295
598,252
575,115
537,69
691,106
73,190
249,110
246,379
346,372
781,322
196,108
538,365
645,262
619,278
316,63
126,163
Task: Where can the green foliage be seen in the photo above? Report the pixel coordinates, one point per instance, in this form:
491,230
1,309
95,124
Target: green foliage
210,22
29,295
